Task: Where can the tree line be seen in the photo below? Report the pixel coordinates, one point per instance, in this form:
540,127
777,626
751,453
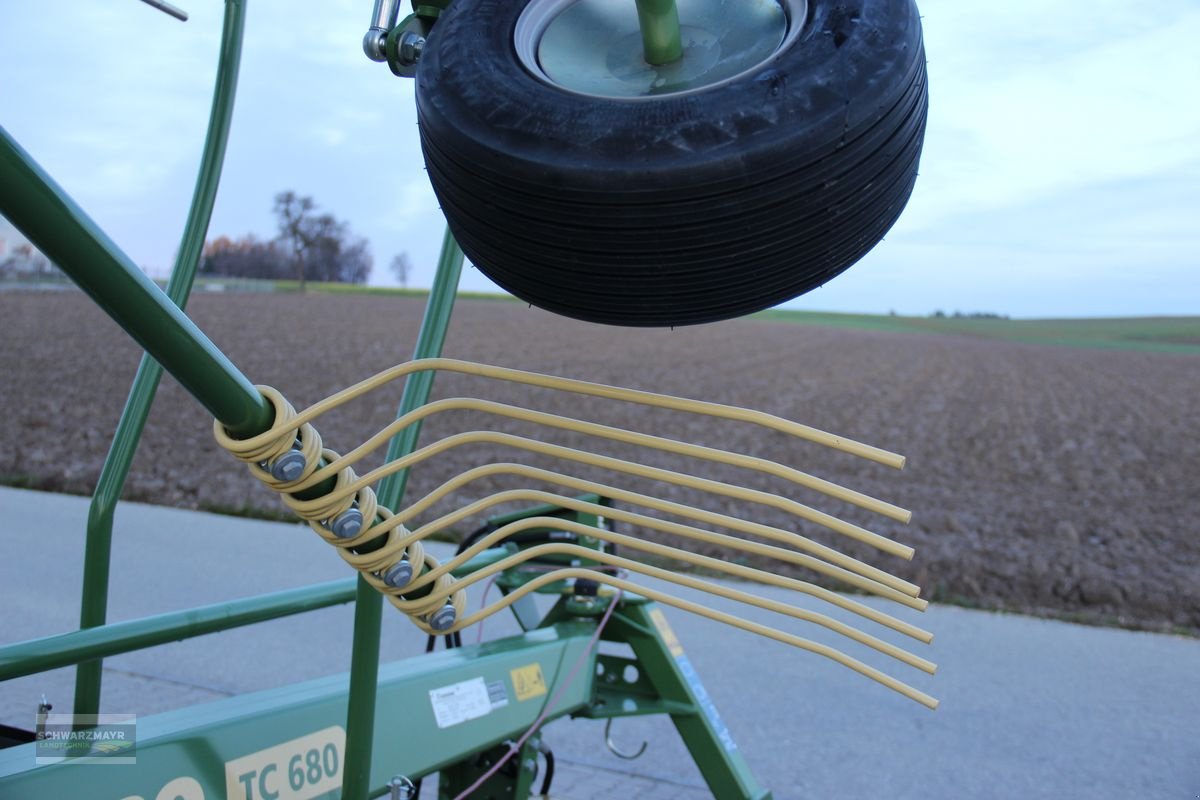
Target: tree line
309,246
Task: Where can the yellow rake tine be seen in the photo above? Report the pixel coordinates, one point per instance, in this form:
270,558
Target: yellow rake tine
606,462
596,390
695,608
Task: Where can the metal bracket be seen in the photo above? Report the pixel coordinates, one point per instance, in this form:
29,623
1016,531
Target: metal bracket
405,43
400,45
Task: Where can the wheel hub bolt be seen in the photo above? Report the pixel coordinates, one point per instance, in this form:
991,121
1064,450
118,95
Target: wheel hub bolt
443,618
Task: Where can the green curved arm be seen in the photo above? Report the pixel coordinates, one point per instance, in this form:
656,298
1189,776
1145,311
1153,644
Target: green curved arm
98,548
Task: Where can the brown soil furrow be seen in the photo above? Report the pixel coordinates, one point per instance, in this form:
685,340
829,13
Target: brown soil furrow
1040,478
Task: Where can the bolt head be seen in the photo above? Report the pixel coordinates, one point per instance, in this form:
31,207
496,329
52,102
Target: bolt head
399,574
347,524
411,45
443,618
289,466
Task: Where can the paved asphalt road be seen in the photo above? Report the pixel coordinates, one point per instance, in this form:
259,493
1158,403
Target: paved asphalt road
1029,708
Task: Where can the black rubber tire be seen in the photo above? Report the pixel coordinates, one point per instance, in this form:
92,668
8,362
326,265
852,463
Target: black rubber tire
682,209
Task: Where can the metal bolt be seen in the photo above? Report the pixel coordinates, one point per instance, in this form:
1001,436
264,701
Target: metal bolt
399,574
443,618
347,524
401,788
289,466
410,47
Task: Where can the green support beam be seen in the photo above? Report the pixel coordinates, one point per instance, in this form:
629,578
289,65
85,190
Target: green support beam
672,682
59,228
255,746
98,547
53,652
368,611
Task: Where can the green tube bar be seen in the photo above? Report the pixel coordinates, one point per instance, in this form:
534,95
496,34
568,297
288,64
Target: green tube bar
97,550
52,652
659,22
56,226
368,610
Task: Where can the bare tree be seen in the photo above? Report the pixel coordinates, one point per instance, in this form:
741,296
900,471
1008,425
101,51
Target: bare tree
322,247
401,267
294,212
245,258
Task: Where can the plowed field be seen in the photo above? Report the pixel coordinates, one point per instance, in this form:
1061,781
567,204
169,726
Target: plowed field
1048,479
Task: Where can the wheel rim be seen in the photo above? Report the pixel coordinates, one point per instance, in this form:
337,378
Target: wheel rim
594,47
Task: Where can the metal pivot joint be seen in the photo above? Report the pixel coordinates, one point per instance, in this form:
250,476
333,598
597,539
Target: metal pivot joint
405,43
383,19
400,42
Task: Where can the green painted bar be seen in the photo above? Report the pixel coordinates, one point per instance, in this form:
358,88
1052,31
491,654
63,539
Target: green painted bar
659,22
429,345
52,652
250,740
43,212
98,547
368,611
674,679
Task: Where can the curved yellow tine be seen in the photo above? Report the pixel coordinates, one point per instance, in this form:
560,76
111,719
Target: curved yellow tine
739,570
606,462
694,608
562,548
881,588
436,577
854,572
712,454
596,390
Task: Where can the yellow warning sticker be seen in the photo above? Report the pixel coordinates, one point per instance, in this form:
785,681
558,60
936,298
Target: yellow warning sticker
528,682
664,630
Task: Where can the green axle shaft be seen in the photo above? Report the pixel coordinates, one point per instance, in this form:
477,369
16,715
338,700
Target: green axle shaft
659,22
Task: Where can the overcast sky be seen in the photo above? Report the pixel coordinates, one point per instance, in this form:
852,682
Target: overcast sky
1061,174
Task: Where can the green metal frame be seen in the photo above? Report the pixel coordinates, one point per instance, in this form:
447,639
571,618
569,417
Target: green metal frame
191,752
98,546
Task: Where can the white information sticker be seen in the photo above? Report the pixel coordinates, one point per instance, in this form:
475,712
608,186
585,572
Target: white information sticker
460,702
297,770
